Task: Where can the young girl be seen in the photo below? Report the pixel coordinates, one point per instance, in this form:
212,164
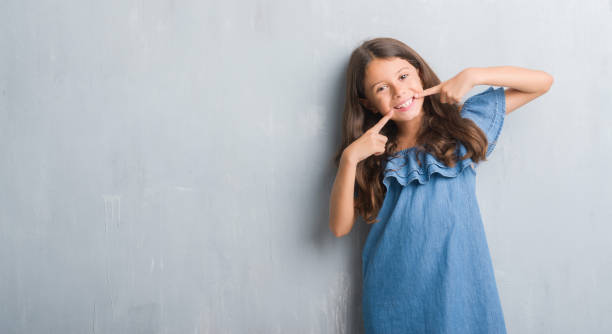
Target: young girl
426,262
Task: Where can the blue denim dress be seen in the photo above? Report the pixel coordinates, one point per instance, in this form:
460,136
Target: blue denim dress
426,263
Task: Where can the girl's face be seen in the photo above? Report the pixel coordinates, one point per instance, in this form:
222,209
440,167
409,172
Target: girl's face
390,83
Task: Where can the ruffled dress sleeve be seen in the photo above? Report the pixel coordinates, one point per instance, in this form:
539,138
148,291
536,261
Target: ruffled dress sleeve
487,110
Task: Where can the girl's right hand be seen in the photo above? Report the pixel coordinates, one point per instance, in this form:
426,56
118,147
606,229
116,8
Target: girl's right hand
371,142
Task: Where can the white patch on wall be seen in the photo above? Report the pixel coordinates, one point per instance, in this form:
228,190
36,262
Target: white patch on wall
112,211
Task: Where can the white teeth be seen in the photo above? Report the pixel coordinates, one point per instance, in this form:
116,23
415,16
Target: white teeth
405,104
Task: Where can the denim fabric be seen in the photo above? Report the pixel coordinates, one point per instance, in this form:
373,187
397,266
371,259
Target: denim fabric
426,263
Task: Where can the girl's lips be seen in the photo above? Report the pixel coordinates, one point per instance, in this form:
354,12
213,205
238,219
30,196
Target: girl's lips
406,108
406,100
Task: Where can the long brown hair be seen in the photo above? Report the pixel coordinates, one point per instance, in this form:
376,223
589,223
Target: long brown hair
441,130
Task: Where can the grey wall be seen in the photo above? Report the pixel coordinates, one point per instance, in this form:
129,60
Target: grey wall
166,166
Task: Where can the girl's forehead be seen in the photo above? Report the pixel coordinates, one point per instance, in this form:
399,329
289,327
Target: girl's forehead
387,64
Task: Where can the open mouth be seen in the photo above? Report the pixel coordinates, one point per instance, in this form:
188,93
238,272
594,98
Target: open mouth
404,106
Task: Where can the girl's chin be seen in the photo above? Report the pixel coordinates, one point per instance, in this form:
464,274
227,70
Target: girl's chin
407,115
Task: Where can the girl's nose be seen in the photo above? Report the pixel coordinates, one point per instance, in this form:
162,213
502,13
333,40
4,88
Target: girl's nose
399,91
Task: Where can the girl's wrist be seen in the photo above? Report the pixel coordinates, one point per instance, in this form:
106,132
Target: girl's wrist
347,158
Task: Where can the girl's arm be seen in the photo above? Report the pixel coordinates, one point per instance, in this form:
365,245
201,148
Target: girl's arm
525,84
342,214
341,203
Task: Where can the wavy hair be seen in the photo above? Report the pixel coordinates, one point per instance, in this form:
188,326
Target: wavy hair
441,130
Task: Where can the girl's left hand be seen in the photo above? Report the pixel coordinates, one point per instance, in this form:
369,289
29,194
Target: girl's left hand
452,90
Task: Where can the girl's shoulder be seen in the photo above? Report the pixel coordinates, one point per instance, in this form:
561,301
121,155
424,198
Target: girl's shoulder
487,110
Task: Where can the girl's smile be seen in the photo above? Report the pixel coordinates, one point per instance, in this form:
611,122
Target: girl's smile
407,110
404,106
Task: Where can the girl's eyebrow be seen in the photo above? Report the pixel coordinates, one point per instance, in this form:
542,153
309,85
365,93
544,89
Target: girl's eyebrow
395,73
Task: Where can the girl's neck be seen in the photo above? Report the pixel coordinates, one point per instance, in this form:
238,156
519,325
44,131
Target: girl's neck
407,130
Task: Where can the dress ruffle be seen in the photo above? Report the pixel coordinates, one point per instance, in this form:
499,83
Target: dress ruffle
405,168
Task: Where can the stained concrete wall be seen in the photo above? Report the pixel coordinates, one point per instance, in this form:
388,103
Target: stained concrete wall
166,165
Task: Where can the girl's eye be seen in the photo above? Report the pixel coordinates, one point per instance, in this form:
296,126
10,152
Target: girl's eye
379,88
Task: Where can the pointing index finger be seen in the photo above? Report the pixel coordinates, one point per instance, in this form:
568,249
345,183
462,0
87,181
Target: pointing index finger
429,91
379,125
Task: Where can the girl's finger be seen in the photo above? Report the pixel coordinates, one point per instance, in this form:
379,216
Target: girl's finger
379,125
429,91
